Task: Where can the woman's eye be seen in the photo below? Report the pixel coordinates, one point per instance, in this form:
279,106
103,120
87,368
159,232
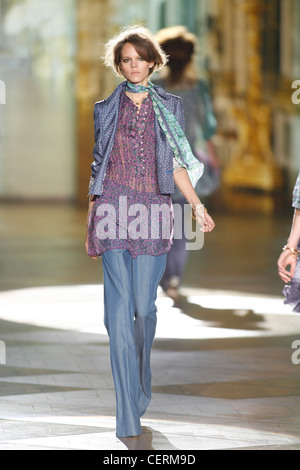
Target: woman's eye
140,59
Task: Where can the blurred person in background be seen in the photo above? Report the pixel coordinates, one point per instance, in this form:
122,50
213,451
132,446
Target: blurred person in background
288,262
180,78
140,152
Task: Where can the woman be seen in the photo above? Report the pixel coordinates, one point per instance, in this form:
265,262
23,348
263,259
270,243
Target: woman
180,78
140,150
288,262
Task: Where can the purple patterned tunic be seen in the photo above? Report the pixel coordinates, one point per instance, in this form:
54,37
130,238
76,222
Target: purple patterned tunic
130,213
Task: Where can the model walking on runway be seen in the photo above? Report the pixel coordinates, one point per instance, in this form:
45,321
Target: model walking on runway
140,151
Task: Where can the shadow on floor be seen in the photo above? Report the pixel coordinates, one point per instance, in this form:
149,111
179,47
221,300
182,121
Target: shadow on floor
221,318
145,441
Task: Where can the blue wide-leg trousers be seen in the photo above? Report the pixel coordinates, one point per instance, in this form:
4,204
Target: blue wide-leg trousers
130,290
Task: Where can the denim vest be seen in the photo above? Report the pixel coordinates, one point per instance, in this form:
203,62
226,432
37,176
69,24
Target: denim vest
106,115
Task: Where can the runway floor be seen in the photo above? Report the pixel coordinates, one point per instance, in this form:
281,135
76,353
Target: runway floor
225,369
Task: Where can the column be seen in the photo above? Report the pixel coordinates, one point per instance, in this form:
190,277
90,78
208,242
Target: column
93,80
240,49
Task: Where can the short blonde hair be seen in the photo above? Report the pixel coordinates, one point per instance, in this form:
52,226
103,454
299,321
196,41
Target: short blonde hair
144,43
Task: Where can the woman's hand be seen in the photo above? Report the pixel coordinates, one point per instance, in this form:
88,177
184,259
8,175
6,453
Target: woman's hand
286,259
205,221
209,224
199,212
87,246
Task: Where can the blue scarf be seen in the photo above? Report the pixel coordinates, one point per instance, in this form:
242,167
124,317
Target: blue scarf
173,131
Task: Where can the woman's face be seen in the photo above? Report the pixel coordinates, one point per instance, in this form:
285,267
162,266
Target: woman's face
134,67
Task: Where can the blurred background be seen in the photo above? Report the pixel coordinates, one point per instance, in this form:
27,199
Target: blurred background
50,60
248,51
222,357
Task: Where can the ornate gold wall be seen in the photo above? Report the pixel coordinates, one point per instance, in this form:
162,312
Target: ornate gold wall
50,60
253,164
255,59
